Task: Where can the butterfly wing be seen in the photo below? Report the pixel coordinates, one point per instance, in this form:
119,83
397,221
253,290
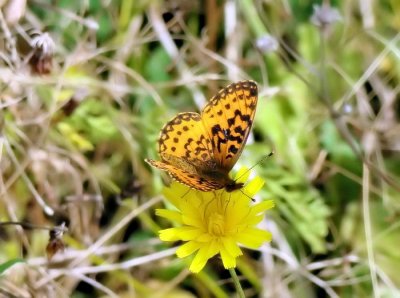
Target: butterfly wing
228,119
186,152
185,137
200,150
190,179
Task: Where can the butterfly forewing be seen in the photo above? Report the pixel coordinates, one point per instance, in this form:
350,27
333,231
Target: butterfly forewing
185,137
186,152
228,119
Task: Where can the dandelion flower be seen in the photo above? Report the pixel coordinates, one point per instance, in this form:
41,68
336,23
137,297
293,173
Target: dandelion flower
212,223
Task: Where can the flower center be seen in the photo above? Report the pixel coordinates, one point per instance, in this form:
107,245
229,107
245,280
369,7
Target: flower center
216,224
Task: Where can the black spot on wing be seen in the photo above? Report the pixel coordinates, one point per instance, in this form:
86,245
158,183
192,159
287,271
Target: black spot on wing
233,149
238,113
217,140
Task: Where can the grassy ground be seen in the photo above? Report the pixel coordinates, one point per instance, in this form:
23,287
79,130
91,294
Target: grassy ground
86,87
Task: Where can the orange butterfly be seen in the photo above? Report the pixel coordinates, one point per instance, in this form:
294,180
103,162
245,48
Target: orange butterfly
199,150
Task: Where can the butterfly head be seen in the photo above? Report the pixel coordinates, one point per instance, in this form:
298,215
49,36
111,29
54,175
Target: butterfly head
233,185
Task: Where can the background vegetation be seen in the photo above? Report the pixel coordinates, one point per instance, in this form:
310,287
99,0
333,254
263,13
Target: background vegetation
82,107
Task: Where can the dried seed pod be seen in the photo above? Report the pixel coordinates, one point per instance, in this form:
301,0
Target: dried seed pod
43,49
56,243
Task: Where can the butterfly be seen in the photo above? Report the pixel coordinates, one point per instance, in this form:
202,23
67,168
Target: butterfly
200,150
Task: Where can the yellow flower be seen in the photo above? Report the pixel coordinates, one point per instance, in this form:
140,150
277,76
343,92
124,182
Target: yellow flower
216,222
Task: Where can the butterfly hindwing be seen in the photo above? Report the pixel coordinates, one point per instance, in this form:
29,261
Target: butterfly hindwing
228,119
190,179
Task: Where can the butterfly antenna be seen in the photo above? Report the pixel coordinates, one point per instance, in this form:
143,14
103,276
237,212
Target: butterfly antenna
256,164
252,199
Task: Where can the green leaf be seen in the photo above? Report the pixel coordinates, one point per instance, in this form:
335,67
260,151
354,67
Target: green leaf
9,264
300,205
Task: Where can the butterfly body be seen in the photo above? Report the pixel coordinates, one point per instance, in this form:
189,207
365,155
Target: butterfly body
220,176
199,150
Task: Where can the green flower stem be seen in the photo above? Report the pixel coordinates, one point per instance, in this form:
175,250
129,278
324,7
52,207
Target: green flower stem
236,281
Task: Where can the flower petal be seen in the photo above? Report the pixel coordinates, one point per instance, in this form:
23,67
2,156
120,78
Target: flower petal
255,220
170,194
231,247
242,175
227,260
188,248
189,233
170,234
171,215
180,233
263,206
205,237
253,237
214,248
200,260
254,186
192,220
